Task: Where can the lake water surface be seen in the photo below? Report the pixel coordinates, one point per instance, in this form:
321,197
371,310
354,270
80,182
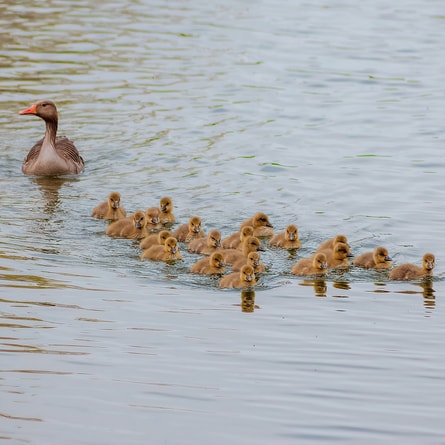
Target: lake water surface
326,115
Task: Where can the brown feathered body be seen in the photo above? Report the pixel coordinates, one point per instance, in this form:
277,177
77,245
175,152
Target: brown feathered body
52,155
245,277
253,259
329,244
315,265
235,240
152,215
190,231
166,207
261,225
338,256
168,252
206,246
409,271
110,209
155,239
377,259
214,264
288,239
132,227
251,244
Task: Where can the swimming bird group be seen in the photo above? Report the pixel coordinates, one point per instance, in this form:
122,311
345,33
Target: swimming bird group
236,259
56,156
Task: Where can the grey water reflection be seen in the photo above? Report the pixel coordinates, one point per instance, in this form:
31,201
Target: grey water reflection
248,301
320,286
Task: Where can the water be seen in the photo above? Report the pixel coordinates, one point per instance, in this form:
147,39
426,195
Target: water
327,116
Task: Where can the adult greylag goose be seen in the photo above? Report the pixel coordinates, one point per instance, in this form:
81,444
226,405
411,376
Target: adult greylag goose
132,227
409,271
378,259
166,207
155,239
168,252
329,244
235,240
52,155
315,265
260,223
288,239
245,277
214,264
191,230
110,209
253,259
206,246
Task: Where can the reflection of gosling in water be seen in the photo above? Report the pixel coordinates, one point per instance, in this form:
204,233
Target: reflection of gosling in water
132,227
253,259
329,244
206,246
315,265
110,209
235,240
189,231
287,239
214,264
412,272
245,277
378,259
155,239
251,244
260,223
168,252
166,207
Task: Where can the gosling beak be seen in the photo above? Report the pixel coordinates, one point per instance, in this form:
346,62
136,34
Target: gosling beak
291,237
350,255
116,205
138,225
324,265
388,258
218,243
31,110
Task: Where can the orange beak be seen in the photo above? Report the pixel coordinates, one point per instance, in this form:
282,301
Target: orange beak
31,110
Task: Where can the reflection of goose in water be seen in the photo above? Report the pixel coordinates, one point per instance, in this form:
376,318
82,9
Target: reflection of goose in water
248,301
50,187
320,286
